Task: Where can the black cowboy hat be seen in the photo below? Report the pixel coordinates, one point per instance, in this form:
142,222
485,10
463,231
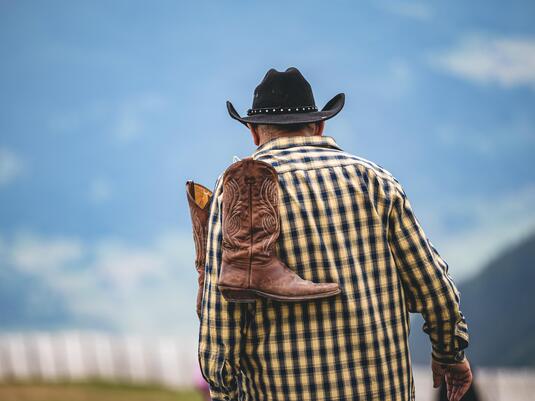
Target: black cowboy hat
286,98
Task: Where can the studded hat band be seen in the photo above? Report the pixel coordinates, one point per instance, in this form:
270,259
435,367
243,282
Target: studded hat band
282,110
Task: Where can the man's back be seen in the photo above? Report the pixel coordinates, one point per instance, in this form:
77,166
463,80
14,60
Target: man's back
343,219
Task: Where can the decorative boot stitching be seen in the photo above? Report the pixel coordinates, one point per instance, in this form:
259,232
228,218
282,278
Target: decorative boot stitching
231,219
268,205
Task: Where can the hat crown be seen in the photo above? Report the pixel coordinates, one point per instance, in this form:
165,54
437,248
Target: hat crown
285,97
283,89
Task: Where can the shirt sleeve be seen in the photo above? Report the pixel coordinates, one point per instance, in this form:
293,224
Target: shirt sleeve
228,389
427,285
219,339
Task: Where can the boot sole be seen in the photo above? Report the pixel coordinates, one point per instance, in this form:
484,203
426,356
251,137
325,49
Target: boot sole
237,294
250,295
301,298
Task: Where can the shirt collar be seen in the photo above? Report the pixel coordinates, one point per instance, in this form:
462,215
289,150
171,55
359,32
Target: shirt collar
284,142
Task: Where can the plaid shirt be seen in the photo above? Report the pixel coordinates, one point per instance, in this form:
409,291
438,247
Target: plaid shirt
344,219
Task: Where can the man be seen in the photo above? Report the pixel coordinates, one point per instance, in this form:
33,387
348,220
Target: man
336,326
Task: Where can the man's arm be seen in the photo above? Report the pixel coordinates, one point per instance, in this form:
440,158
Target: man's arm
428,287
219,329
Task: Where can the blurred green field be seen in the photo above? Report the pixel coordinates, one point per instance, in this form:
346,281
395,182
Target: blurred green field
91,391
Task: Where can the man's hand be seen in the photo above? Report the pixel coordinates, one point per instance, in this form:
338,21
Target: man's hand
458,378
199,301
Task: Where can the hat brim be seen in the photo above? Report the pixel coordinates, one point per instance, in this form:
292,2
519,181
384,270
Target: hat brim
331,108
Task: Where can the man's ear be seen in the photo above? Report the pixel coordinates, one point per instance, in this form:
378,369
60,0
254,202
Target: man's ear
254,133
319,126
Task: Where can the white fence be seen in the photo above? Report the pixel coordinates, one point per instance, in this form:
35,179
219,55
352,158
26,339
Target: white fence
492,384
80,356
173,363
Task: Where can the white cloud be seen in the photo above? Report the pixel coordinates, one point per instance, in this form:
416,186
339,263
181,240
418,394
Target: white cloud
11,166
43,255
392,82
68,121
125,267
139,288
131,115
409,9
124,119
100,190
504,61
512,134
399,78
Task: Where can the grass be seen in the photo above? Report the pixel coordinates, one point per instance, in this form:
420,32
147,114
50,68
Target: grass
91,391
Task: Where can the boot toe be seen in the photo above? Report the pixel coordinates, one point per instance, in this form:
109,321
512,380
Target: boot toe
329,287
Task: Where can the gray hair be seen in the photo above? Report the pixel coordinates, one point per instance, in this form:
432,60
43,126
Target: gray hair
271,130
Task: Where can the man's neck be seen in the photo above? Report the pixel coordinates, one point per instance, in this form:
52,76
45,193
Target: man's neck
286,134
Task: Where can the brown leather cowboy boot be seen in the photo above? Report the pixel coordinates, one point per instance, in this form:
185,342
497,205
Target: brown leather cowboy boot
199,199
251,225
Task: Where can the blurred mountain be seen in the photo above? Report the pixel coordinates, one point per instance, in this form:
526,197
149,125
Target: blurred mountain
499,305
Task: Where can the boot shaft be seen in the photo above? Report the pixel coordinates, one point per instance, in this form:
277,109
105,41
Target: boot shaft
251,219
199,200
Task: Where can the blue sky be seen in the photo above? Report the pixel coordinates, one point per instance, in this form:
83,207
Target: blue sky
107,108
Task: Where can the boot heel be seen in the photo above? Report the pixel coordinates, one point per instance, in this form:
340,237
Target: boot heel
233,295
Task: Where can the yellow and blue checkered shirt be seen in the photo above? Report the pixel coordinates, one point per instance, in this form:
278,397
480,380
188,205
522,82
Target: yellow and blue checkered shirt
344,219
